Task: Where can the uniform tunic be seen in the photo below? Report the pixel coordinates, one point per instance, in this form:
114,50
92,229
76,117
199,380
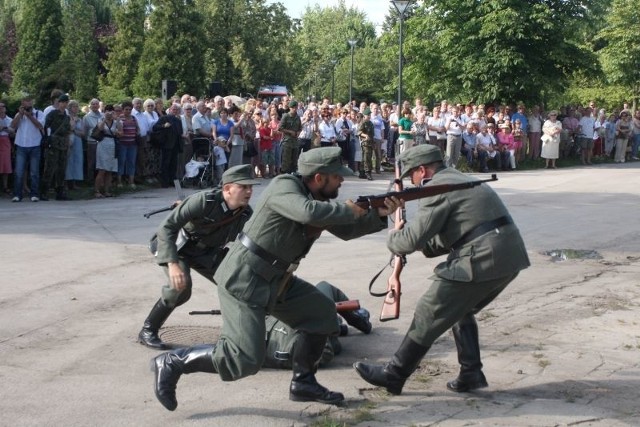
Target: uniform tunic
474,273
286,223
191,236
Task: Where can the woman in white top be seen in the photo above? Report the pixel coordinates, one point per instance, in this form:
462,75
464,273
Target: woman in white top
551,140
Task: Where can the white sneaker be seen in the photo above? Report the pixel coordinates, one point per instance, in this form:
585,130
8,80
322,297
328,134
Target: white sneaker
16,199
35,199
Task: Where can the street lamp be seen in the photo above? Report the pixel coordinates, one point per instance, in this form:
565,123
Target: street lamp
352,43
333,79
401,6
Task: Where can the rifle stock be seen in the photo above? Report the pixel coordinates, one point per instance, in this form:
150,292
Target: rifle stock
377,200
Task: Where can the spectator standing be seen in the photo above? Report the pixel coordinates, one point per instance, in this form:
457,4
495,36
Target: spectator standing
127,147
535,132
454,127
309,128
290,126
89,122
357,118
437,131
5,147
153,152
551,131
378,132
624,127
143,136
587,125
106,161
344,128
405,137
171,127
266,149
237,141
610,135
55,158
635,135
469,143
29,127
74,171
419,129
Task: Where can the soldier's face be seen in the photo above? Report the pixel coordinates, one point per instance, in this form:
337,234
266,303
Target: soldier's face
330,185
237,195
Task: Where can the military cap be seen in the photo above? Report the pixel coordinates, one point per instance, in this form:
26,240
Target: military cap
240,174
63,98
367,111
293,103
417,156
322,160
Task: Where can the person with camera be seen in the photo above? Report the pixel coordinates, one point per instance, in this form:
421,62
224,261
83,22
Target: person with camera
29,127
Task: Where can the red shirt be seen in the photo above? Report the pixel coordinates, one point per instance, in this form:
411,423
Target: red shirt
266,141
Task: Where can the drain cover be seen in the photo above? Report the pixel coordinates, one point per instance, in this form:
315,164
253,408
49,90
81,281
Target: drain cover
565,254
183,336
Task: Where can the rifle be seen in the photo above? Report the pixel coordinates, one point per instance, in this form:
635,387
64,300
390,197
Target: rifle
377,200
341,307
391,304
176,183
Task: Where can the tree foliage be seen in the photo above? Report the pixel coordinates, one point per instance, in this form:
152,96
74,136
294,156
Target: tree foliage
621,55
39,44
124,51
78,53
494,50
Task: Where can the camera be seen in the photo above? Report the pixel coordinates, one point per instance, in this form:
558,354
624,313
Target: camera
28,109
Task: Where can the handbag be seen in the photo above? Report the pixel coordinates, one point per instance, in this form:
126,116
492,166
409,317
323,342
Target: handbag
97,133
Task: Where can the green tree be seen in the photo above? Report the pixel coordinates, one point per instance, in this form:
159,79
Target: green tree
125,50
8,42
39,43
495,50
173,49
79,50
621,55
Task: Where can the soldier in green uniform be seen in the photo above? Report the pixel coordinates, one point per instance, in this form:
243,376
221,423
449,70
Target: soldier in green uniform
55,158
485,253
366,142
256,278
290,126
194,236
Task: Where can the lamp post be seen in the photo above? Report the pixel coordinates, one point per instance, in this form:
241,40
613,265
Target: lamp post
352,43
401,6
333,79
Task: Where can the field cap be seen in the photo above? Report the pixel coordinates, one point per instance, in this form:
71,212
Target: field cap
240,174
63,98
293,104
322,160
417,156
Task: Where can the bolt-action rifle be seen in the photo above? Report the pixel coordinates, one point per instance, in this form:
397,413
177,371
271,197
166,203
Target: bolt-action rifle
341,307
176,183
391,304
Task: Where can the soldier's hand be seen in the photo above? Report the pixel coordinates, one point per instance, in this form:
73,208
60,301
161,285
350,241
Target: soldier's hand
391,204
177,277
357,210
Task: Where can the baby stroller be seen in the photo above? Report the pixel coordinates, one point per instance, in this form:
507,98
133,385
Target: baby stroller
199,170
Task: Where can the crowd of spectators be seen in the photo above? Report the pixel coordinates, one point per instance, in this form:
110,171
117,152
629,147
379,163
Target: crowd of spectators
144,141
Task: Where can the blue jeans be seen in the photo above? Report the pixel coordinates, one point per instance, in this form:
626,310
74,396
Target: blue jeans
127,159
635,145
24,154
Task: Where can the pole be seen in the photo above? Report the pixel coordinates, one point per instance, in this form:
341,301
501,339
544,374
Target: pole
400,66
352,43
333,84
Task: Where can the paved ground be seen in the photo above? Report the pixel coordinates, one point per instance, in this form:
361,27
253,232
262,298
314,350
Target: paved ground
561,346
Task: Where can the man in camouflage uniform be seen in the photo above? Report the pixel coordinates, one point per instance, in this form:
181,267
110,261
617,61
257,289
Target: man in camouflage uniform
367,143
58,124
290,126
485,253
194,236
256,278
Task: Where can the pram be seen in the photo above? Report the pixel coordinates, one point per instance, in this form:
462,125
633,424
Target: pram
199,170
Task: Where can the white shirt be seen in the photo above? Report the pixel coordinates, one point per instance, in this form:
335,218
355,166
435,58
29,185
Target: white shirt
143,123
27,134
327,130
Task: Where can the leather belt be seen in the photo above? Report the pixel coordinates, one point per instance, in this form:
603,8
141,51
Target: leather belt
271,259
481,229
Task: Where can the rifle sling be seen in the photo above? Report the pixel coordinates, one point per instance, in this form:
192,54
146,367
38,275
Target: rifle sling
481,229
374,278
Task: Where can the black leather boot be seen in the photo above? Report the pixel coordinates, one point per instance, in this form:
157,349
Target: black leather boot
149,334
369,177
392,375
304,386
359,319
168,368
465,333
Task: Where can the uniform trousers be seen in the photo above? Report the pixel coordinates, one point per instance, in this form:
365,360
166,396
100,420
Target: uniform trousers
290,150
55,166
446,302
173,298
240,352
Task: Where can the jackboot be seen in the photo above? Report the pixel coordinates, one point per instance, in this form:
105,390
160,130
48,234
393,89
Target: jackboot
168,368
392,375
465,333
149,334
304,386
359,319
